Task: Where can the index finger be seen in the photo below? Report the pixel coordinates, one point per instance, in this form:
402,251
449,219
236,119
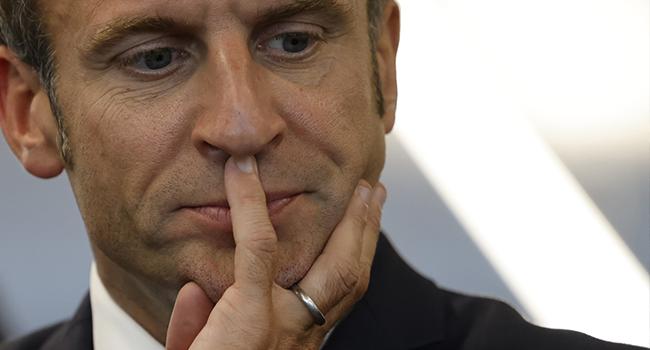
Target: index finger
255,239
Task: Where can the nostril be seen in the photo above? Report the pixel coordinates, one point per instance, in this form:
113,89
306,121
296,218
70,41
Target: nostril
214,155
238,126
276,141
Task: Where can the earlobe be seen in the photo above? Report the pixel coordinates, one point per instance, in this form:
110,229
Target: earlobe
26,118
387,44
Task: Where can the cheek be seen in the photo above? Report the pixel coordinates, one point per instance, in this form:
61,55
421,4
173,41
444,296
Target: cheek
120,143
337,117
311,75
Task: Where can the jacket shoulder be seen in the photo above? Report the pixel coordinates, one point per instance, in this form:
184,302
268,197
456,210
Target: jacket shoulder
484,323
33,341
75,334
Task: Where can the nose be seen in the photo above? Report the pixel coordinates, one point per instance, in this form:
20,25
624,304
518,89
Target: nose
239,118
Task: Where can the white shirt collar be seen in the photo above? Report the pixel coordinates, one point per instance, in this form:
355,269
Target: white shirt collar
113,328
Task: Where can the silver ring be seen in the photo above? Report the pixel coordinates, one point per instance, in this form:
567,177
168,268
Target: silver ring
311,306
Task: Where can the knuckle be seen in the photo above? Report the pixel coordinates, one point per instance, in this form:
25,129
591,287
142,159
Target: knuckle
263,242
374,221
360,216
348,273
363,283
249,195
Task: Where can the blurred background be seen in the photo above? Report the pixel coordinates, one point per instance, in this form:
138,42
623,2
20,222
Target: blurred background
518,168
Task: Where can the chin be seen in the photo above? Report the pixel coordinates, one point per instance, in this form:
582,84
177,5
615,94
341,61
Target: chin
217,275
290,274
296,259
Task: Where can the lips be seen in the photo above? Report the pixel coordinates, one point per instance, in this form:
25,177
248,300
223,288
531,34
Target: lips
218,217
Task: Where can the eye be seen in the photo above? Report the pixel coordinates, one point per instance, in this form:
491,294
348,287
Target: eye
291,42
153,60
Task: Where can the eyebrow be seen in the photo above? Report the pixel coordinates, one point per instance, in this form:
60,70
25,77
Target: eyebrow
113,32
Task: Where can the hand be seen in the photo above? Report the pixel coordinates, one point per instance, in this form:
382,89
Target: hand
255,312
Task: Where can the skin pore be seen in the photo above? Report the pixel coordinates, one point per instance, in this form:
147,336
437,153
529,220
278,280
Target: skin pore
286,82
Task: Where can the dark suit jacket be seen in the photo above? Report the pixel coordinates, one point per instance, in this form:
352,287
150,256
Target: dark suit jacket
401,310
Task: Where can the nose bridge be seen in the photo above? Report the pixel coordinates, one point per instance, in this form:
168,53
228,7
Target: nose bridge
240,119
235,76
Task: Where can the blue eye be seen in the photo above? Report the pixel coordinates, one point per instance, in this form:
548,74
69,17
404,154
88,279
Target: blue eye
291,42
154,59
157,59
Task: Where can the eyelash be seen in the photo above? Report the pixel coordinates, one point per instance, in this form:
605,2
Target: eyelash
314,37
309,35
128,63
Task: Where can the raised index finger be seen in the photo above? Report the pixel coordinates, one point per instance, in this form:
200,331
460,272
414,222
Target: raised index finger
256,241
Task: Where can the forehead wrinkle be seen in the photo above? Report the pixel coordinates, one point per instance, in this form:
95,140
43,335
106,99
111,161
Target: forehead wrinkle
334,10
94,8
112,32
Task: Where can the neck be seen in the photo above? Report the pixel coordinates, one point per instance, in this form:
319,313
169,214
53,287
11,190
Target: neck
149,304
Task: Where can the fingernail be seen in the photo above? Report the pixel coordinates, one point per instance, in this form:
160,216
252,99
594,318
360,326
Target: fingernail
246,164
380,194
365,193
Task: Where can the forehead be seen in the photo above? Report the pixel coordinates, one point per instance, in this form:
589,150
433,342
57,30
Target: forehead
87,17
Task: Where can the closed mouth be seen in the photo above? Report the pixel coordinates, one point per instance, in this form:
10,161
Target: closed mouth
219,214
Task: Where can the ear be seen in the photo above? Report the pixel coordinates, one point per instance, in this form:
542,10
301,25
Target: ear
387,44
26,118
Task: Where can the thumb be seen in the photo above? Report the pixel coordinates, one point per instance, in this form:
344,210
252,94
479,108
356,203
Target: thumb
191,312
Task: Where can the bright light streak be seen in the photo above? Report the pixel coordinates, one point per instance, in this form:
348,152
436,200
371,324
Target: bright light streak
578,67
526,212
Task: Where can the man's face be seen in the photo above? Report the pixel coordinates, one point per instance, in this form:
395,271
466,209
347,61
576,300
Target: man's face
156,95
